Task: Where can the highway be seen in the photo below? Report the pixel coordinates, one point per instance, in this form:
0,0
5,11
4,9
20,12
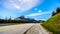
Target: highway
15,29
23,29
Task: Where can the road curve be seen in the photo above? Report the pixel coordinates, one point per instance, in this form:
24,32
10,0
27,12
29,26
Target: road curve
15,29
23,29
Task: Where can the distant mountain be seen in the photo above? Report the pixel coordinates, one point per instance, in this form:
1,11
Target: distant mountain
30,19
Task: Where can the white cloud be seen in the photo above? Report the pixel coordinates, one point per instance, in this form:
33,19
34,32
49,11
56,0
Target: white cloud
22,5
35,9
19,0
16,5
39,11
39,19
36,14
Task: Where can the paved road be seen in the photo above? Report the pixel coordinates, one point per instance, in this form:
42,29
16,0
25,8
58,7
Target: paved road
21,28
15,29
37,29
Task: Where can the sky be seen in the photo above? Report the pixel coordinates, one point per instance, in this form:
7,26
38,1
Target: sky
37,9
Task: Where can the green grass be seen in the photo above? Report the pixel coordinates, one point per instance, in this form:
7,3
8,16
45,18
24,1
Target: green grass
53,24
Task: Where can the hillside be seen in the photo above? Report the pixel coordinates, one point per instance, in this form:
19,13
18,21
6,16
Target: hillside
53,24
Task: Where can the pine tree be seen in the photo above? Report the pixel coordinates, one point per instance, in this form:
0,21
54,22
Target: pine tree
53,13
58,10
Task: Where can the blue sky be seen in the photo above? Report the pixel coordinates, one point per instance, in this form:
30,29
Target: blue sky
40,9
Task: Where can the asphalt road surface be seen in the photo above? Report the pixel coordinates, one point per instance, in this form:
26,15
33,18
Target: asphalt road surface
23,29
37,29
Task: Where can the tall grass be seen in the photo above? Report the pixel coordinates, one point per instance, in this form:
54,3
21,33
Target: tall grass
53,24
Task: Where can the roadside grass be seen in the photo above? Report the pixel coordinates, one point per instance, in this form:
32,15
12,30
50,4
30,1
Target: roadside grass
53,24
